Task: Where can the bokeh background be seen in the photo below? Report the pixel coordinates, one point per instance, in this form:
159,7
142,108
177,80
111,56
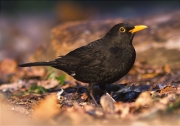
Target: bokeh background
26,35
27,24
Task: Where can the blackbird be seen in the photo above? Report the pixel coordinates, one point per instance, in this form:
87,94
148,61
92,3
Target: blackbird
100,62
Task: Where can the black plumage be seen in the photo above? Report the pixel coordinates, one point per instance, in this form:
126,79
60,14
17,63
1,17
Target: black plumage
100,62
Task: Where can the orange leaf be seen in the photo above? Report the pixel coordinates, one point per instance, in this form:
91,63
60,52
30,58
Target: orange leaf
46,109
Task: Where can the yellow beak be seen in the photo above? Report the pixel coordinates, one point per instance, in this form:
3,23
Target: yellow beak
138,28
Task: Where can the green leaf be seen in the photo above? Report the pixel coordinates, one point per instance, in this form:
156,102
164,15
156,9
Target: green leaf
52,74
61,79
37,89
174,106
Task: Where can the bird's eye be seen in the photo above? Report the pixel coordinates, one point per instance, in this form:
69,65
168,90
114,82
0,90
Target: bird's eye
122,29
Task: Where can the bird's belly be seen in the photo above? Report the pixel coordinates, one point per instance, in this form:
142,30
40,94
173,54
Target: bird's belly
99,74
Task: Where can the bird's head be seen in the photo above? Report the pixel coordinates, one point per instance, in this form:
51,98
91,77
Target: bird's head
124,32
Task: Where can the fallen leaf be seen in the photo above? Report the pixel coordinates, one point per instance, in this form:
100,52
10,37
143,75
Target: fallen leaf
167,68
167,89
47,84
84,96
8,66
46,109
11,87
107,103
149,75
34,71
143,99
123,108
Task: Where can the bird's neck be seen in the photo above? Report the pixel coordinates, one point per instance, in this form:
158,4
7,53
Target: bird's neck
118,42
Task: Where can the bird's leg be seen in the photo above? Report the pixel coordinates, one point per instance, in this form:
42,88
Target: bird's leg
91,93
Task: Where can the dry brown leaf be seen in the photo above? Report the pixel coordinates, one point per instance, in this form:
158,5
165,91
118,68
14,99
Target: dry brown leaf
76,115
11,86
11,118
150,75
34,71
168,89
123,108
88,108
84,96
133,71
178,90
8,66
66,86
31,72
46,109
144,99
107,103
48,83
167,68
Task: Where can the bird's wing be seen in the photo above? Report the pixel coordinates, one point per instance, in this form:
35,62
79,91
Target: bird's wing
68,60
80,57
88,55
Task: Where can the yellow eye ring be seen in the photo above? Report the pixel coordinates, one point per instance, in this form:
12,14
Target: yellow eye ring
122,29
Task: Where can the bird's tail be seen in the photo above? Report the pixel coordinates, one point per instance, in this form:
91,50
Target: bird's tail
47,63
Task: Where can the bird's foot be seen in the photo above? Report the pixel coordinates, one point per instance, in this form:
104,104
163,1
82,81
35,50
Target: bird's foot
94,100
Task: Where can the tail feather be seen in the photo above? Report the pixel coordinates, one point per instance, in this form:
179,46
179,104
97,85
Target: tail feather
47,63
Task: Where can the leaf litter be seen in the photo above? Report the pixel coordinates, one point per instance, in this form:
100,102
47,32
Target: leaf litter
147,94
